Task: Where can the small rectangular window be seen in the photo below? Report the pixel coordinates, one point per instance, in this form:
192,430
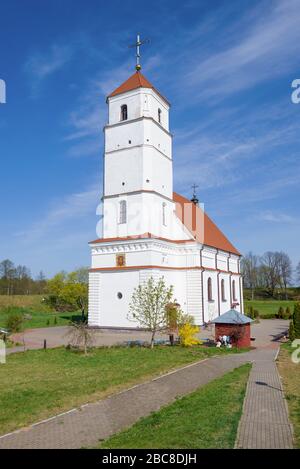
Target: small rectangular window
122,212
124,112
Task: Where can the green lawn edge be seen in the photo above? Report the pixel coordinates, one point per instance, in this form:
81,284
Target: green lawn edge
290,377
206,418
38,384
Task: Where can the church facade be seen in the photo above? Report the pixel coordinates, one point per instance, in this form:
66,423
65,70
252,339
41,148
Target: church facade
148,229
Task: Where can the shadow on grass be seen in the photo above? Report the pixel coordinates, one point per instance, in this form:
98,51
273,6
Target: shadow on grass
73,318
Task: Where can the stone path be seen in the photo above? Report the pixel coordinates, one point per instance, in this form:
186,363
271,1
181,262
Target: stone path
265,423
57,336
85,426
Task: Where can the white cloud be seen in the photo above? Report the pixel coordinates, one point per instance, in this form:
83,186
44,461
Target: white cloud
276,217
260,46
42,65
71,208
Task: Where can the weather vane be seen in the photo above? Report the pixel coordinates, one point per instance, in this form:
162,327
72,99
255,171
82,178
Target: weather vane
194,199
137,45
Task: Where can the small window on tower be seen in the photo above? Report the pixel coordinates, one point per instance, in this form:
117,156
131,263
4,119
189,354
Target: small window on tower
122,211
159,115
164,219
223,290
234,291
124,112
209,289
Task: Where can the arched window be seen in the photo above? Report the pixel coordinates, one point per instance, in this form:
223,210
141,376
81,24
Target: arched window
164,219
233,290
223,290
209,289
122,211
159,115
124,112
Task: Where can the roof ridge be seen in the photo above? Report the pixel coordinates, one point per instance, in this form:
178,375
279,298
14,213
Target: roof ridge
136,80
211,235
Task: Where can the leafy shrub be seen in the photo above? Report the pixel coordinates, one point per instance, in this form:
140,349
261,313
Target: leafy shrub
14,322
291,331
280,314
287,313
296,320
249,312
187,334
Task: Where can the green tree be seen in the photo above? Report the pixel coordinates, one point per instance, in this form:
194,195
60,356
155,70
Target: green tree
280,313
149,305
296,320
69,291
291,331
14,322
287,314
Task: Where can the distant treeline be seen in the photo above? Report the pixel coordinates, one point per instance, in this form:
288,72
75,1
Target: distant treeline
17,280
270,272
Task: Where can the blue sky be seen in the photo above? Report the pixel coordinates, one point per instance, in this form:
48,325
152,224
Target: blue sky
226,67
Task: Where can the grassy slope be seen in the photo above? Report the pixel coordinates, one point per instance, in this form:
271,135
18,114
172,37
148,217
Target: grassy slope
31,301
269,306
207,418
34,306
38,384
290,375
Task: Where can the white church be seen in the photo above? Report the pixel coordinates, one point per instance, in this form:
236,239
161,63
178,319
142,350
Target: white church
149,230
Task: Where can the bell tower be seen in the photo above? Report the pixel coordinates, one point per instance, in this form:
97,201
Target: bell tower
138,179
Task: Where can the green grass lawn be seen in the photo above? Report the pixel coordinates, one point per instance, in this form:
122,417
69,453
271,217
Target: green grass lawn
290,375
207,418
41,383
269,306
32,305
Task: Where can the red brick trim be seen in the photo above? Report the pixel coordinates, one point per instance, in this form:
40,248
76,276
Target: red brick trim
160,267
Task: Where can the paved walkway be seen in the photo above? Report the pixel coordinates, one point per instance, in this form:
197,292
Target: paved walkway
85,426
57,336
265,423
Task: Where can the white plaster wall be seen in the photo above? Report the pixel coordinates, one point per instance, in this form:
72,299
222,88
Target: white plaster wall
138,132
222,260
94,299
112,311
209,258
224,305
210,307
233,263
144,215
138,168
148,252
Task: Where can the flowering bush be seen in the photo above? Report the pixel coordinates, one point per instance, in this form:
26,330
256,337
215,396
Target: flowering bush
187,334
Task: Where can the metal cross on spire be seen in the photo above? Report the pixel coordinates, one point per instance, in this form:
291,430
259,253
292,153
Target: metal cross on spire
194,199
137,45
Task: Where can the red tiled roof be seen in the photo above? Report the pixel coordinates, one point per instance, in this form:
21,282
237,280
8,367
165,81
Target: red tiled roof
196,221
200,225
137,80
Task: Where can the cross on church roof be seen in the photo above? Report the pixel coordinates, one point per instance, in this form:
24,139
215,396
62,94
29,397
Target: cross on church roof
194,199
137,45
